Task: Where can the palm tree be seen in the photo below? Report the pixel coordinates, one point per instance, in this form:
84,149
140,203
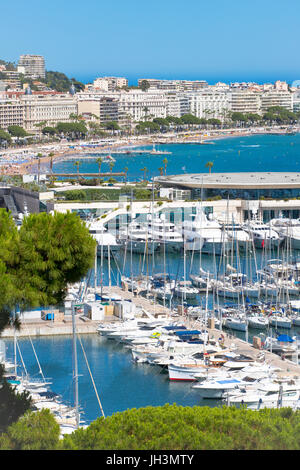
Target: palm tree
165,162
161,170
77,164
145,169
209,165
99,161
125,171
111,165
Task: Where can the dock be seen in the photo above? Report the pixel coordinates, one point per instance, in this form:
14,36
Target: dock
84,325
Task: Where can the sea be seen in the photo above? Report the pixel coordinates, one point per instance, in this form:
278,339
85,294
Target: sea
229,154
108,378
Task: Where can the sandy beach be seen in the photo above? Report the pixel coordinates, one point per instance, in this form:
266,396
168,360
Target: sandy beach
30,166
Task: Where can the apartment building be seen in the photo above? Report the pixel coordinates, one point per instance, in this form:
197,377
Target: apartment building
110,83
11,113
33,65
244,101
134,104
209,104
174,85
105,108
276,98
296,101
47,109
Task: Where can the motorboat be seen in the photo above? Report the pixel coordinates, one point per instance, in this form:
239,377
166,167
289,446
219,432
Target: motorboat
137,238
106,241
217,388
263,236
202,234
267,396
237,236
165,233
289,229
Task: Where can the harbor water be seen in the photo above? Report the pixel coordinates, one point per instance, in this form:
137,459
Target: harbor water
122,384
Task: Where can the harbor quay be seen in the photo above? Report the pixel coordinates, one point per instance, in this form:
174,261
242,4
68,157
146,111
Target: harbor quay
84,325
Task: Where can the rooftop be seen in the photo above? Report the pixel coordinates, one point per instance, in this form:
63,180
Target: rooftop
243,180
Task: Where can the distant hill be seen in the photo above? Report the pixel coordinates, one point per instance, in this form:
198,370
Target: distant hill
55,80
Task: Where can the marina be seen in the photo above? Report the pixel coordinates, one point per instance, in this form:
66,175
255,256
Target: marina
188,307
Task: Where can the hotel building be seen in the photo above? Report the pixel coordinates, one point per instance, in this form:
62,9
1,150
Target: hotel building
47,109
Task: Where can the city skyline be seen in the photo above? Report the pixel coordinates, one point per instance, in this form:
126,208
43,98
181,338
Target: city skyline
218,42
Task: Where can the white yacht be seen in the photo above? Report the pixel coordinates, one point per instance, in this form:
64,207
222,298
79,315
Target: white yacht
262,235
105,239
136,237
237,236
165,233
289,229
204,235
217,388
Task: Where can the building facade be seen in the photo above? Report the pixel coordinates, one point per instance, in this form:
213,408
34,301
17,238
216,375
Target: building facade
33,65
11,114
48,110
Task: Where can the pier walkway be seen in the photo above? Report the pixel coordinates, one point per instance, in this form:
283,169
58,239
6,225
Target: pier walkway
84,326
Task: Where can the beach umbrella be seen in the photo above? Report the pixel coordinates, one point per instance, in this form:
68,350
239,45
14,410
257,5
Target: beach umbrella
285,339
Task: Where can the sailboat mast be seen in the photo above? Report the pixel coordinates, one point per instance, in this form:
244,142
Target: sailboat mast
75,368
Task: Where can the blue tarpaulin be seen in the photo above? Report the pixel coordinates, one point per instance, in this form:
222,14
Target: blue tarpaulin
187,332
285,339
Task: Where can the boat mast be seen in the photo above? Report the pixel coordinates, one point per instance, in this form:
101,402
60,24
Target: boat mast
75,368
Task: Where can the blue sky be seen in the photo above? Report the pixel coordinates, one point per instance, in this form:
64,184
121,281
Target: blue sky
194,39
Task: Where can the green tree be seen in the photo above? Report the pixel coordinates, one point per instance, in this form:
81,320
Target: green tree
145,170
99,161
33,431
77,165
5,137
49,130
145,85
125,169
17,131
55,250
12,404
165,162
209,165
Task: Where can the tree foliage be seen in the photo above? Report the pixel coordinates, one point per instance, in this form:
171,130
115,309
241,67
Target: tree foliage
173,427
33,431
17,131
38,261
169,427
12,404
60,82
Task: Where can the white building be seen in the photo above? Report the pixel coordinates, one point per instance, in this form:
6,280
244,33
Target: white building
110,83
11,113
245,101
296,101
32,65
47,109
209,103
276,98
